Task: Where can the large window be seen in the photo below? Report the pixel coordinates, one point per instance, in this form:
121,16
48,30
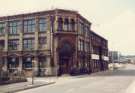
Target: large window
81,45
42,24
13,44
82,28
27,62
28,44
2,43
2,28
87,47
60,24
13,27
72,25
66,24
13,62
87,31
29,26
42,42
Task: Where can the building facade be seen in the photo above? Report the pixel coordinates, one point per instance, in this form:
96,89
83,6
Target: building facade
52,42
114,56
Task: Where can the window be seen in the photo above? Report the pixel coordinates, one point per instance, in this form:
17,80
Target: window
13,27
2,44
83,45
79,46
42,24
87,46
60,24
13,62
27,62
87,32
82,28
66,25
13,44
72,25
2,28
28,44
42,42
29,26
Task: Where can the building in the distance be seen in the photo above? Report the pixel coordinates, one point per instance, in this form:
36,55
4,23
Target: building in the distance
52,42
114,56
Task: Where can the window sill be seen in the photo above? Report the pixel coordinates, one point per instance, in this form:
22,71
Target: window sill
28,32
13,34
28,68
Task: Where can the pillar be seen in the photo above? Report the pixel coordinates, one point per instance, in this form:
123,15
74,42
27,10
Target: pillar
35,65
36,34
21,36
20,63
5,64
6,37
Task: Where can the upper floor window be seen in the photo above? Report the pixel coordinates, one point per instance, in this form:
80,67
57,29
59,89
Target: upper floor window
29,25
79,44
2,43
66,24
42,42
72,25
81,27
13,27
42,24
28,44
13,44
87,47
2,28
60,24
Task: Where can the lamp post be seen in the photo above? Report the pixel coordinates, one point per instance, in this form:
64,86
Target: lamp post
33,62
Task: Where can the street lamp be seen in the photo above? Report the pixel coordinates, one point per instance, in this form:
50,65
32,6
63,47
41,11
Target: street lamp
33,63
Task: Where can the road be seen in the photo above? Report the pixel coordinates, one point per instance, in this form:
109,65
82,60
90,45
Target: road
118,81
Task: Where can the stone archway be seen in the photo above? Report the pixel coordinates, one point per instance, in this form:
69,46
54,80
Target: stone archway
65,57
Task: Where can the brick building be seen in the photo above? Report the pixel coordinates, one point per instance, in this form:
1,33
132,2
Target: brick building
52,42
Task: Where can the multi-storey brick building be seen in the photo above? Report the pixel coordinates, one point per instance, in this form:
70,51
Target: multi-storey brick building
56,42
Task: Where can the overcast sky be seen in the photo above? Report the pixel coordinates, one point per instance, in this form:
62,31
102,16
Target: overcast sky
113,19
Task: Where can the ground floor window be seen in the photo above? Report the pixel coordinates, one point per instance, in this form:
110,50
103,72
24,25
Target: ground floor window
27,62
13,62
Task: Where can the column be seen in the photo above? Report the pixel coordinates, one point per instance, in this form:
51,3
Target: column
5,64
35,66
6,37
36,33
21,36
20,64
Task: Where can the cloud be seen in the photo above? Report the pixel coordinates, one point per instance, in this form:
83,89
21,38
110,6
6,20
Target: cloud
120,32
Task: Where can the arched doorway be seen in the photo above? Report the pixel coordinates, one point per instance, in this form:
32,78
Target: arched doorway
65,58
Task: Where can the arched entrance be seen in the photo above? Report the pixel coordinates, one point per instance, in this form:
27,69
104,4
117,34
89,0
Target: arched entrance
65,58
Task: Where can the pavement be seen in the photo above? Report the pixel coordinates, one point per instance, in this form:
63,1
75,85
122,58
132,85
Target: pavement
38,82
112,81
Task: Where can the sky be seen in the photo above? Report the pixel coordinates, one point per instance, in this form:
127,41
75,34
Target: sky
112,19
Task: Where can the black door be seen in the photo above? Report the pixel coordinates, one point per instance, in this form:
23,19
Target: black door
64,65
